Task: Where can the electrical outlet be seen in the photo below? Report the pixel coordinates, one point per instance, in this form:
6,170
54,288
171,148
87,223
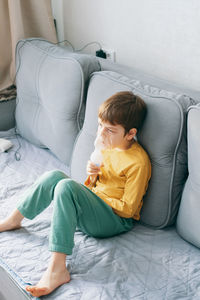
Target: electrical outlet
110,54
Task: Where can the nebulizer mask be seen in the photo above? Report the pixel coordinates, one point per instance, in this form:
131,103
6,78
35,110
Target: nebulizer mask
99,144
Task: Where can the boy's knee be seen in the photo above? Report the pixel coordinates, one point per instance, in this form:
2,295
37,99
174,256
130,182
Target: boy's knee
66,184
54,175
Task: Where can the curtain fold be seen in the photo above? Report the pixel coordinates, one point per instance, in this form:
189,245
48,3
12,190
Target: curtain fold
21,19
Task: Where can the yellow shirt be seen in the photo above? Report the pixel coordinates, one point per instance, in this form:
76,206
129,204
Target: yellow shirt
123,180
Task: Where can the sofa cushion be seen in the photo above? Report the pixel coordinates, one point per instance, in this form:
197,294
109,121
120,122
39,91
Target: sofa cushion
50,94
163,137
188,220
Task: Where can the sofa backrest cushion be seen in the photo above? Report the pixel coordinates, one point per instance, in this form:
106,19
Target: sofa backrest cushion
163,136
188,220
51,85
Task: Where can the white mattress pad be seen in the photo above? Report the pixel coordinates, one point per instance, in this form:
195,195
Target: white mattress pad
141,264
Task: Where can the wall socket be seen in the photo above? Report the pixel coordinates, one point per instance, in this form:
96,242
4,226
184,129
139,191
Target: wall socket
110,54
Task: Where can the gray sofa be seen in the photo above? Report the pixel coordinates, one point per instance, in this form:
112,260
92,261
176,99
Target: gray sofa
56,117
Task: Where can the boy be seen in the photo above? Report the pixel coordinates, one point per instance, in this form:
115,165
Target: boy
101,208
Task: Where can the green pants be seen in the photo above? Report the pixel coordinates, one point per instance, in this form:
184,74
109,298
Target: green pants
74,206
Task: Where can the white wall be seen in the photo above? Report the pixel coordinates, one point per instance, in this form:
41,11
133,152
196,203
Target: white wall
157,36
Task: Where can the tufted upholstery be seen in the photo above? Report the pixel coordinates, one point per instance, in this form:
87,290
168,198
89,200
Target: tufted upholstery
51,85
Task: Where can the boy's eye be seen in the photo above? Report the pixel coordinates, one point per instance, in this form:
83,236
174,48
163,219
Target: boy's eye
100,125
110,130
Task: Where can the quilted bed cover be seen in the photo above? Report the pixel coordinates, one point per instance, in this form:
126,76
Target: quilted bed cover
143,264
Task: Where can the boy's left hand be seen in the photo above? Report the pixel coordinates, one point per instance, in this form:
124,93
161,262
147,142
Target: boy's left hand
92,169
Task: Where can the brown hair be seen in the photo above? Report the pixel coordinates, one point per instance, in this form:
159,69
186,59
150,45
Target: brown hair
125,109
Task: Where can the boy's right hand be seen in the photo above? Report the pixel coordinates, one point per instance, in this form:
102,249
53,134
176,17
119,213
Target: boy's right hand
92,169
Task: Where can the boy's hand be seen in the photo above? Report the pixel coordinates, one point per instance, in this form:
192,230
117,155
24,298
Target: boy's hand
92,169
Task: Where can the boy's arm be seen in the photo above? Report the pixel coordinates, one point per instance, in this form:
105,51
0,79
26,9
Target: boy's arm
90,183
135,188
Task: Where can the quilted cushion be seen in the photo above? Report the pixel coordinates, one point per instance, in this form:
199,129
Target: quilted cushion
188,220
50,94
163,137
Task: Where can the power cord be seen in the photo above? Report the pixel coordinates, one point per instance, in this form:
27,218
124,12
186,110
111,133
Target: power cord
99,53
67,42
88,44
17,153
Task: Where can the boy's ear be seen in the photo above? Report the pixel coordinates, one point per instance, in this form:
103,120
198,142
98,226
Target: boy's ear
132,133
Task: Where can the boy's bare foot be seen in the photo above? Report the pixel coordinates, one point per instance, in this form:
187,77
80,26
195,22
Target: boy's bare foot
50,280
12,222
6,225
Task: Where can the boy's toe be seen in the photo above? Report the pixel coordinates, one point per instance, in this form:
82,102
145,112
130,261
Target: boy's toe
37,291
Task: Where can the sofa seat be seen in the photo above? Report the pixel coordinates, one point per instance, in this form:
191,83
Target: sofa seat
141,264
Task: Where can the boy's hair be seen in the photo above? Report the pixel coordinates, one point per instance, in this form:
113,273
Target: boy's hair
125,109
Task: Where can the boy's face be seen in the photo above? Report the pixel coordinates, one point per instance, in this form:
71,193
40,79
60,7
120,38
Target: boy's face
113,135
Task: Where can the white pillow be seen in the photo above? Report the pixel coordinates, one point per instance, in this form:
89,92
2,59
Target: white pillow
5,145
